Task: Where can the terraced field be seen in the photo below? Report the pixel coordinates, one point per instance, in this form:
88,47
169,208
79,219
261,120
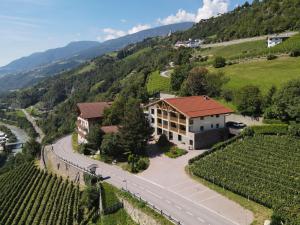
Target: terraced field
31,196
265,169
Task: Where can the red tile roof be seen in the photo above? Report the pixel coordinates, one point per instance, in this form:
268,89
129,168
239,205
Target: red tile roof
110,129
197,106
92,110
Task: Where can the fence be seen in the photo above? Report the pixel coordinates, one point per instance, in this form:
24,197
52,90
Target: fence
152,206
64,167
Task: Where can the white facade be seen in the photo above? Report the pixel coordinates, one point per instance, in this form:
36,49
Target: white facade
182,130
189,44
273,41
83,130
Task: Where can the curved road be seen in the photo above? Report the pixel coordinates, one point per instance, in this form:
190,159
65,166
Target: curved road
183,209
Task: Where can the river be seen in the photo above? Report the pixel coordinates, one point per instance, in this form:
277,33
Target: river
20,134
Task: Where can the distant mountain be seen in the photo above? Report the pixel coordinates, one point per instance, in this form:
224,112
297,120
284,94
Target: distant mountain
29,70
48,57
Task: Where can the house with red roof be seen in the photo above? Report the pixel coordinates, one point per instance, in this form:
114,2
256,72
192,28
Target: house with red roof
90,114
194,122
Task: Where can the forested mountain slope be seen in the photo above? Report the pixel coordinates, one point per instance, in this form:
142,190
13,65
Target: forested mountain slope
30,70
249,20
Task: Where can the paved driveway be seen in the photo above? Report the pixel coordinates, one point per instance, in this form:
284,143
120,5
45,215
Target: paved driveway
171,175
167,187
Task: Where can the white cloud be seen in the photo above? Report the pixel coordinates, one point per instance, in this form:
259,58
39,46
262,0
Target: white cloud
180,16
209,8
139,28
110,33
123,21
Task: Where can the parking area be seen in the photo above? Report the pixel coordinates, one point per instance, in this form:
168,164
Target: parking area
170,174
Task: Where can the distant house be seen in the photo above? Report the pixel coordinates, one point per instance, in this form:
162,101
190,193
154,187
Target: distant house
189,44
89,114
194,122
275,40
3,137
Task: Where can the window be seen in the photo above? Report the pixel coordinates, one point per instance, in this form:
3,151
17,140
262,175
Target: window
212,116
170,136
191,122
152,111
201,118
217,116
212,126
218,125
152,120
191,142
202,128
179,138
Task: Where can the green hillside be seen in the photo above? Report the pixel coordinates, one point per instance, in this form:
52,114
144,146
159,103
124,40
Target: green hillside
248,20
262,73
262,168
157,83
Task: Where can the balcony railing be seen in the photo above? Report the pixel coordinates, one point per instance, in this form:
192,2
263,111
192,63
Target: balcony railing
183,121
159,115
175,119
165,126
174,129
182,132
159,124
165,116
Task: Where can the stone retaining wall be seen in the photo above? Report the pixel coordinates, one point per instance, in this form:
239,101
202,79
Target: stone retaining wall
56,165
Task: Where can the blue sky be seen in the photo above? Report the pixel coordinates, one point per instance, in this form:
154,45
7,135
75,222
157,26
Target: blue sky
27,26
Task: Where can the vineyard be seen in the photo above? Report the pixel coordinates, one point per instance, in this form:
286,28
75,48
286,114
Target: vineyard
31,196
265,169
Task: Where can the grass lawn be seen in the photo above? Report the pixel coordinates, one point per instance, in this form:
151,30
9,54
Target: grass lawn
233,51
262,73
87,68
250,49
157,83
175,152
75,142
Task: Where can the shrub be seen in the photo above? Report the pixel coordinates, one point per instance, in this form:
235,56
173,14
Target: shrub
163,141
294,130
248,132
227,95
219,62
295,53
271,57
143,164
275,129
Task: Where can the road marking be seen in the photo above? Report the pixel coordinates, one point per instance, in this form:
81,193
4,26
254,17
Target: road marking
216,196
189,213
157,196
201,220
178,207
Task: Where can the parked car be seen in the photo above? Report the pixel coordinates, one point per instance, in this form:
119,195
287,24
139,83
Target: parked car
236,125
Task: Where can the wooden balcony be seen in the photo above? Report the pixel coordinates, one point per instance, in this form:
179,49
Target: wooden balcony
165,117
182,121
78,124
165,126
175,129
174,119
159,115
182,132
159,124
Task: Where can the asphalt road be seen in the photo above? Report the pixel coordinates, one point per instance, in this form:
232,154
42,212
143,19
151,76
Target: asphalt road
179,207
39,131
